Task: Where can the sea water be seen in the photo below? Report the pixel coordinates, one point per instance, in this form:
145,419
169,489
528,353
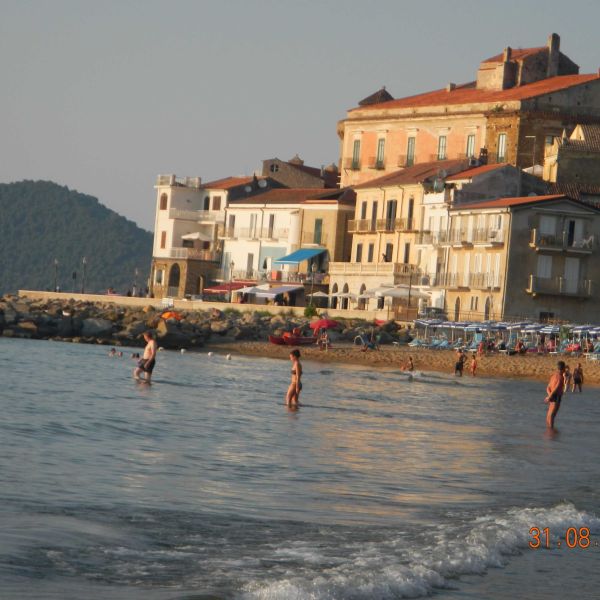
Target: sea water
204,485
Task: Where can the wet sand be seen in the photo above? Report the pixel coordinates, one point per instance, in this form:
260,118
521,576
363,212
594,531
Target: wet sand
530,366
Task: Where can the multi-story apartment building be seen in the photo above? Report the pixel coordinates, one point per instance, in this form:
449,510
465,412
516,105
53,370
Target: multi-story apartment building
521,99
532,256
187,252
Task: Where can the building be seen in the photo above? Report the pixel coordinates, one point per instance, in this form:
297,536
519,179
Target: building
280,234
526,257
295,174
187,251
520,99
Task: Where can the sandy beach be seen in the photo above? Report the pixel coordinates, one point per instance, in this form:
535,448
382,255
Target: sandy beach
530,366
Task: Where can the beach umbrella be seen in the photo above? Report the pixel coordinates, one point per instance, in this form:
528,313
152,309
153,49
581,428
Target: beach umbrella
403,292
319,294
323,324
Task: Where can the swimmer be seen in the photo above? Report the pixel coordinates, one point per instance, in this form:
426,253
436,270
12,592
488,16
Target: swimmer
112,352
148,360
293,394
554,392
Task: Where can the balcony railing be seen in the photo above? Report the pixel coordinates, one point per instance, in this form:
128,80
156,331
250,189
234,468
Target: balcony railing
352,164
246,233
201,216
381,268
195,254
487,236
483,281
444,280
453,236
375,163
227,233
269,233
362,226
405,224
315,238
560,241
386,224
173,180
559,286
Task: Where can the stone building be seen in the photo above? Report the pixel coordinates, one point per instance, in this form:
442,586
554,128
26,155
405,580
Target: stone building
295,174
519,101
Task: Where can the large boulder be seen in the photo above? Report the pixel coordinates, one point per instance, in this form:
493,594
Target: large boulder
219,327
170,336
94,327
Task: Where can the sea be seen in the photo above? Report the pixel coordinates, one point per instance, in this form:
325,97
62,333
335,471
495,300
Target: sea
205,486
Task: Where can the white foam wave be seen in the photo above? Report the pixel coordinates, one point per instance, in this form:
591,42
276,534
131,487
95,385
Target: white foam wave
401,567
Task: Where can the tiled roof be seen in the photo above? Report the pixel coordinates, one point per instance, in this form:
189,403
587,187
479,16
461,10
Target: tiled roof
574,190
381,95
475,171
329,177
228,182
507,202
283,196
589,143
467,93
516,54
415,174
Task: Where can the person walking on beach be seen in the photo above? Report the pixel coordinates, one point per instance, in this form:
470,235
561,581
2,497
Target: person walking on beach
554,391
460,363
473,364
292,397
148,360
577,378
409,365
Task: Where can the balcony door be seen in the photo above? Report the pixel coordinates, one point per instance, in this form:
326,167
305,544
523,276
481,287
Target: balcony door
571,275
249,264
390,214
374,216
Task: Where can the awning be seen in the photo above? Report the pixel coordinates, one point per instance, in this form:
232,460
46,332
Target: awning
278,290
197,235
226,287
295,258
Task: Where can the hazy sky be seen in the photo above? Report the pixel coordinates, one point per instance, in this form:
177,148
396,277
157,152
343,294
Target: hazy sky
103,96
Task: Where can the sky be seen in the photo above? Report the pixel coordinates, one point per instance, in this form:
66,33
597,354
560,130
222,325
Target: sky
104,96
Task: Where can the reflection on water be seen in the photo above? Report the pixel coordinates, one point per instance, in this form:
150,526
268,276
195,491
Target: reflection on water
205,482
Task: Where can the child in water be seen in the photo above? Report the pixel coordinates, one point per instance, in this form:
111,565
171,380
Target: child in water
473,364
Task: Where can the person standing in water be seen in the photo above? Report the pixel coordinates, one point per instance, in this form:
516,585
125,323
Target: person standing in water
148,360
293,394
473,364
577,378
554,391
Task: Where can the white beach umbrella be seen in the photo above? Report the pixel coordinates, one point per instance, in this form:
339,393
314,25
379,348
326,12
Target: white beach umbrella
319,294
403,292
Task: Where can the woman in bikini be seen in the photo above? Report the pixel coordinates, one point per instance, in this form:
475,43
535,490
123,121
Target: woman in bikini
293,394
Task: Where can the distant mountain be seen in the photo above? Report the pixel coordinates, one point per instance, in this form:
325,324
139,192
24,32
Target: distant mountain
41,221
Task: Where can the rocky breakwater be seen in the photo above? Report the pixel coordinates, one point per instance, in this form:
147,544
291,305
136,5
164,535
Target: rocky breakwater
110,324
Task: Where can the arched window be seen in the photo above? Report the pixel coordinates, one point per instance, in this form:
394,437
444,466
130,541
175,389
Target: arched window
174,277
362,303
488,307
345,301
334,300
164,199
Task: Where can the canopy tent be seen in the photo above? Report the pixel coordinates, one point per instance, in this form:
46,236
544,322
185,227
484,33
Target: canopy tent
295,258
226,287
276,291
403,292
319,295
253,289
198,235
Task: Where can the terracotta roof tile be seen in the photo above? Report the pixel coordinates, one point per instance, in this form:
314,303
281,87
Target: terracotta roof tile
283,196
574,190
507,202
475,171
467,93
228,182
415,174
589,143
516,54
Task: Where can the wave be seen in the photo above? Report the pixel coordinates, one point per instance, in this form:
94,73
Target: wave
390,570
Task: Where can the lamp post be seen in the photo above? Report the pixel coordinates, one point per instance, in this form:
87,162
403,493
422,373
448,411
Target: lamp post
313,270
83,264
231,265
56,274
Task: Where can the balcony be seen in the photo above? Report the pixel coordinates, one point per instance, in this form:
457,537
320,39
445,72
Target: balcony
559,242
352,163
559,286
376,163
314,238
195,254
453,237
199,216
483,281
268,233
405,224
173,180
227,233
445,280
487,237
362,226
400,272
405,161
386,225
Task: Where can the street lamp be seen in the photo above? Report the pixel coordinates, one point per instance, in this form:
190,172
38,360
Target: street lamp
231,265
84,264
56,274
313,270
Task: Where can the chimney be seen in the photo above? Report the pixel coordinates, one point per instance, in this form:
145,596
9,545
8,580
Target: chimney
450,87
553,54
507,55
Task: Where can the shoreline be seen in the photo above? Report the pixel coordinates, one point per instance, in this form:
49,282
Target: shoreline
529,367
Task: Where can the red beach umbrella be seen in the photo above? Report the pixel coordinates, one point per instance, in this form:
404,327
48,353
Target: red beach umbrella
324,324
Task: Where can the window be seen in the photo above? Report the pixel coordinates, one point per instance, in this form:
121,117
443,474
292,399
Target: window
359,248
380,153
406,253
544,266
163,239
356,155
163,201
390,214
441,153
274,168
374,216
363,210
549,140
474,302
158,278
501,155
187,243
216,203
318,231
410,152
547,225
471,145
370,253
389,251
206,205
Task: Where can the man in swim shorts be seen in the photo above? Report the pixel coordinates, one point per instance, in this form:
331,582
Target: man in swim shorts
554,391
148,360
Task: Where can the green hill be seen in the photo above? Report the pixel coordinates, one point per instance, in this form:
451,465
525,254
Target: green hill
41,221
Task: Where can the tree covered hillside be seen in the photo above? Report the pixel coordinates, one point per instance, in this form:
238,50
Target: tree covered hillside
41,221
